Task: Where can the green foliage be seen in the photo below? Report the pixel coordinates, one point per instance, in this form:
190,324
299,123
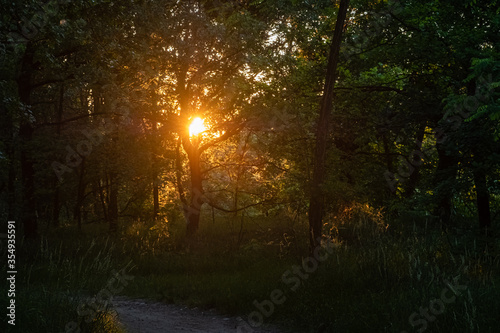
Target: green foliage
487,73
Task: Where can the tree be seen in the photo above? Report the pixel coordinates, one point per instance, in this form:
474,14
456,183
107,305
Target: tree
316,204
199,56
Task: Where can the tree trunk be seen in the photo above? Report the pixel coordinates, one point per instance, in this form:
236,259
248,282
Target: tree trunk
113,202
316,205
11,192
7,127
193,211
56,206
416,162
156,173
26,129
156,199
190,210
479,175
446,170
102,197
482,195
388,157
80,192
28,215
178,174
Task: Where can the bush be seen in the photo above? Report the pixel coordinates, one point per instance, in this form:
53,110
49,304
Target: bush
356,224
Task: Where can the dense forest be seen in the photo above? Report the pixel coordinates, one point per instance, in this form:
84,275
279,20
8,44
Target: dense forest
211,146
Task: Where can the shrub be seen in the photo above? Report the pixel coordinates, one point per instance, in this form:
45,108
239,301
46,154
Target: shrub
356,224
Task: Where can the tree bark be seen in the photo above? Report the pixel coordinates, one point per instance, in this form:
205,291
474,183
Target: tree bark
156,200
7,128
11,191
102,197
388,157
446,170
28,215
178,174
316,205
193,211
482,193
113,202
56,206
26,129
80,192
483,199
415,175
156,173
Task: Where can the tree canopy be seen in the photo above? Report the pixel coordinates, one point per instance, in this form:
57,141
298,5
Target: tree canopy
97,98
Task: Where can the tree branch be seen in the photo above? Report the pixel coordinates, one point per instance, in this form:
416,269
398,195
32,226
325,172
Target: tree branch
221,138
62,122
371,88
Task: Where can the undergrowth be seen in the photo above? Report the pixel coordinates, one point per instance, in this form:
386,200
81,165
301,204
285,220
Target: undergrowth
377,278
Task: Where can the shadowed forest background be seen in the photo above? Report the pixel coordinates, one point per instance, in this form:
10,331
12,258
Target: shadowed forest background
380,145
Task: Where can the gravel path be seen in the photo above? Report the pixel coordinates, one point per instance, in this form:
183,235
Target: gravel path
144,316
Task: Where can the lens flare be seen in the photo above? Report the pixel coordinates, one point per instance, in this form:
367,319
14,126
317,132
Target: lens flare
196,127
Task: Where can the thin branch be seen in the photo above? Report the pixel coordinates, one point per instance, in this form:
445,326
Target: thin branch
62,122
49,81
212,204
221,138
371,88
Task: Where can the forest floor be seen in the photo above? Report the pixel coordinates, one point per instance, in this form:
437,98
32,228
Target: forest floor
145,316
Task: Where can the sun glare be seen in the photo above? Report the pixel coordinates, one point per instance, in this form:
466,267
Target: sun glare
196,127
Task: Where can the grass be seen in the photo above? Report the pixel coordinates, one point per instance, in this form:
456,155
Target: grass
374,285
55,278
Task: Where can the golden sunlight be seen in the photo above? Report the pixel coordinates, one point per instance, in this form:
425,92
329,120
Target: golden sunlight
196,127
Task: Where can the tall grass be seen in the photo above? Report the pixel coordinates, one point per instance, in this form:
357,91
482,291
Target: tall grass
56,276
379,275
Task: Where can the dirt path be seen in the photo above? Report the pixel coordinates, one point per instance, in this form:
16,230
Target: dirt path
144,316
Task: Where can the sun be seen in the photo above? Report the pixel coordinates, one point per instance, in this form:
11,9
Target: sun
196,127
